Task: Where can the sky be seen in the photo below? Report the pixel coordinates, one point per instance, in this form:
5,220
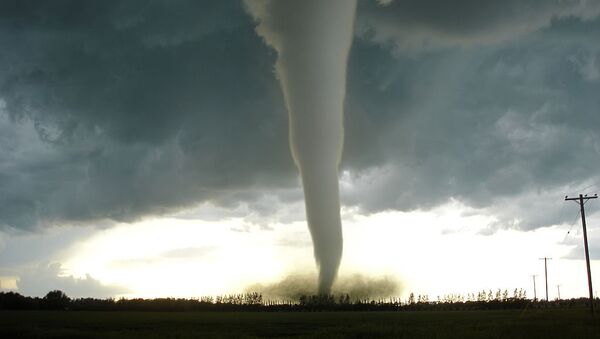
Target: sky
144,149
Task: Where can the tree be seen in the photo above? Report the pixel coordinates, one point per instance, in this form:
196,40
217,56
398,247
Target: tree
522,294
15,301
56,300
411,299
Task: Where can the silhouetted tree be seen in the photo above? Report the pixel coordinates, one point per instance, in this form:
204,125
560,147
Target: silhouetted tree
411,299
56,300
15,301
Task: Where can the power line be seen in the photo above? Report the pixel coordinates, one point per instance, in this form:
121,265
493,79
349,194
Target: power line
572,224
582,200
578,214
590,186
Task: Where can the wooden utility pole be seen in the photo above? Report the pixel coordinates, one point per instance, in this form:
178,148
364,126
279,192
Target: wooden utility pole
534,289
581,200
558,287
546,273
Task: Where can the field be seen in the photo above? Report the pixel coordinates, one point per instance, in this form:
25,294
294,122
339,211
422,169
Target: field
454,324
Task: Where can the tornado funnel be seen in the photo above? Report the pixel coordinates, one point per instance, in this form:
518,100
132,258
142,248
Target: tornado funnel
313,38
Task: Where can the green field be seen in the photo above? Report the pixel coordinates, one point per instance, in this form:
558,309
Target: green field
468,324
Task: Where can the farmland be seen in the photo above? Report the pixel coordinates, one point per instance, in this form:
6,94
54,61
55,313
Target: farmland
555,323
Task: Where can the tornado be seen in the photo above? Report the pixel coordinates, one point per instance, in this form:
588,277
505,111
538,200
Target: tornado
312,39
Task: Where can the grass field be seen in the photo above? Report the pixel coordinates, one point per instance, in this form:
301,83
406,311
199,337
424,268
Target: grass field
469,324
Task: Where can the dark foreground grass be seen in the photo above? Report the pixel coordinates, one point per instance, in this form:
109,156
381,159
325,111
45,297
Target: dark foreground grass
468,324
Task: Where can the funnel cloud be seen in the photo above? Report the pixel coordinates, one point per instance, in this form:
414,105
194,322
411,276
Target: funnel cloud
313,39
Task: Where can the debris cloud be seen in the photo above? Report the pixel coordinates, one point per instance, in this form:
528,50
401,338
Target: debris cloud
356,285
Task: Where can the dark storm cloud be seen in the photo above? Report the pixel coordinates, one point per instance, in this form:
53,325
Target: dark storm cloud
509,128
139,108
431,24
119,109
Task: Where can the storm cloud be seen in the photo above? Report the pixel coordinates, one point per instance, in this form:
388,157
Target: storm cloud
108,115
415,25
120,110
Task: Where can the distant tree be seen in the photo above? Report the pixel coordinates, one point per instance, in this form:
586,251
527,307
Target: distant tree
253,298
522,294
498,295
207,300
411,299
56,300
15,301
344,299
505,295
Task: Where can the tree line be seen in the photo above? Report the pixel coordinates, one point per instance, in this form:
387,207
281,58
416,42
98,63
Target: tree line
483,300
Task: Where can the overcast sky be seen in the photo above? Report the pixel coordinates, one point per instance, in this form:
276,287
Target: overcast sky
119,113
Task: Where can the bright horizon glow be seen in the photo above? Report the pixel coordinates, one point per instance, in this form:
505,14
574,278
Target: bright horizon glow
435,253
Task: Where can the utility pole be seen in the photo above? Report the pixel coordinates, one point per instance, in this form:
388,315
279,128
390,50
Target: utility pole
581,200
546,273
558,287
534,289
